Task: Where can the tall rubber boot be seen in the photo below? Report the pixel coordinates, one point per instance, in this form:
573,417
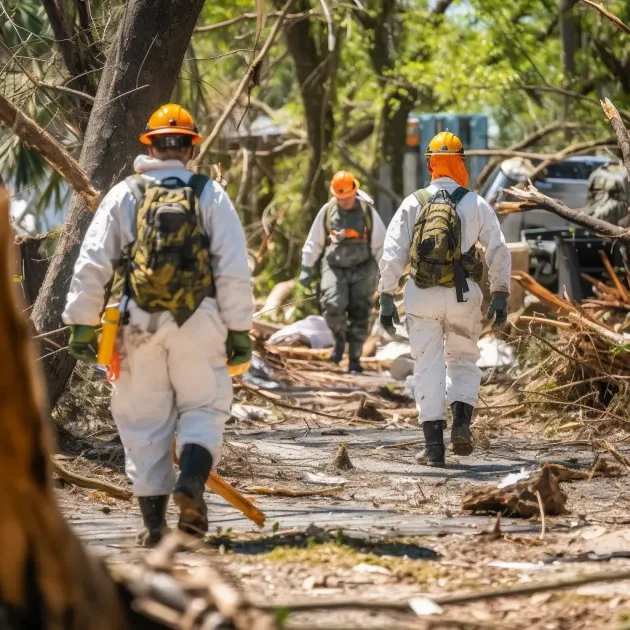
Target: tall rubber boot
355,366
154,518
195,463
433,454
461,436
337,353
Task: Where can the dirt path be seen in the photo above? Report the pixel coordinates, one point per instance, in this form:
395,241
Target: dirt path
395,529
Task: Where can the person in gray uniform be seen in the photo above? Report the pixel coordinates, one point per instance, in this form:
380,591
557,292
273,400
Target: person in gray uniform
347,236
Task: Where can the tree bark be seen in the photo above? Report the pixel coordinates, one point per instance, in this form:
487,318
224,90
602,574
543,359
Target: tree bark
139,76
313,70
47,582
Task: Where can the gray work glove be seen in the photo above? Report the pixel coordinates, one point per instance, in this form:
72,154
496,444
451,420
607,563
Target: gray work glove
307,277
498,309
388,313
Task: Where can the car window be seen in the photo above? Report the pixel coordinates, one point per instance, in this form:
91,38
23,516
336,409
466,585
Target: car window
571,170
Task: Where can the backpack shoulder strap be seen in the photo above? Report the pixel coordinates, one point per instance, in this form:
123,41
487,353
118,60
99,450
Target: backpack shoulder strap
423,196
137,186
458,194
198,182
327,218
367,217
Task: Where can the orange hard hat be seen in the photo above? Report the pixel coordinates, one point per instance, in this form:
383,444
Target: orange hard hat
445,143
170,120
344,185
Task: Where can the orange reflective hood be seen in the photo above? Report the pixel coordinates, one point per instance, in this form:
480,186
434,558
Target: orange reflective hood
452,166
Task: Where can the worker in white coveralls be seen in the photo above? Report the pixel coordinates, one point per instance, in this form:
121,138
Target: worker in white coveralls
178,245
347,237
435,231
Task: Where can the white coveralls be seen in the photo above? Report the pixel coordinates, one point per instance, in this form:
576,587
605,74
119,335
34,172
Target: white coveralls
172,380
443,333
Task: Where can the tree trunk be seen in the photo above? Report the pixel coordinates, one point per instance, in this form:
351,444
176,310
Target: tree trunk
138,77
47,582
315,69
393,128
569,46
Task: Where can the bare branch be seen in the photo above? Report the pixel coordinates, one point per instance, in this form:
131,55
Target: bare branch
291,17
532,198
31,134
241,88
387,191
572,149
527,141
608,15
623,139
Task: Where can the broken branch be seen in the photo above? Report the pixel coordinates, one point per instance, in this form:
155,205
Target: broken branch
31,134
608,15
532,196
623,139
245,82
286,492
92,484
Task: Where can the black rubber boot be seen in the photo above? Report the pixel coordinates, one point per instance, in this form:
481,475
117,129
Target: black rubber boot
154,518
461,437
337,353
433,454
355,366
195,463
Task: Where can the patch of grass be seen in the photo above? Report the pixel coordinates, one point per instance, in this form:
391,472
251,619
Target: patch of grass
344,557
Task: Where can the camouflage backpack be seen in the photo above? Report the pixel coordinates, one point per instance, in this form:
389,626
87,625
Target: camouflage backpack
169,264
436,253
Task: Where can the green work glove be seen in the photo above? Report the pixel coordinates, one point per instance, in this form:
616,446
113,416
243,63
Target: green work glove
238,347
388,313
307,277
83,344
498,309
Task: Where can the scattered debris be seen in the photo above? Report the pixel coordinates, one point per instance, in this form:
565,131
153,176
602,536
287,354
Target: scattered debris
495,353
423,606
342,459
322,479
312,332
370,568
369,411
287,492
93,484
520,498
250,413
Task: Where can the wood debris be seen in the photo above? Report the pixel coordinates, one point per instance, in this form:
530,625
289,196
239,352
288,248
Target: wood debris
523,498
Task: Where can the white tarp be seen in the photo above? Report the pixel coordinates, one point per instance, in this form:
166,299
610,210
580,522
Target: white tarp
312,332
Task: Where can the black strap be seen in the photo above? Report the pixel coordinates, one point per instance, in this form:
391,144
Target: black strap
461,286
198,182
458,194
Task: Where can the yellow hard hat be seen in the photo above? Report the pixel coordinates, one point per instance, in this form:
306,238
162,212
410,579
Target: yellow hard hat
170,120
445,143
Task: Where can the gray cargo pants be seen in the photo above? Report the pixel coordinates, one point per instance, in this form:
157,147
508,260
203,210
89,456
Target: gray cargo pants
346,301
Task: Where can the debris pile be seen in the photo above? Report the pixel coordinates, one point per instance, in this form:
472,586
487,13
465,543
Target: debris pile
589,362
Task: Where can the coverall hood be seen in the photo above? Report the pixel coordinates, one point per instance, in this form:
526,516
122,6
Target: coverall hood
452,166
